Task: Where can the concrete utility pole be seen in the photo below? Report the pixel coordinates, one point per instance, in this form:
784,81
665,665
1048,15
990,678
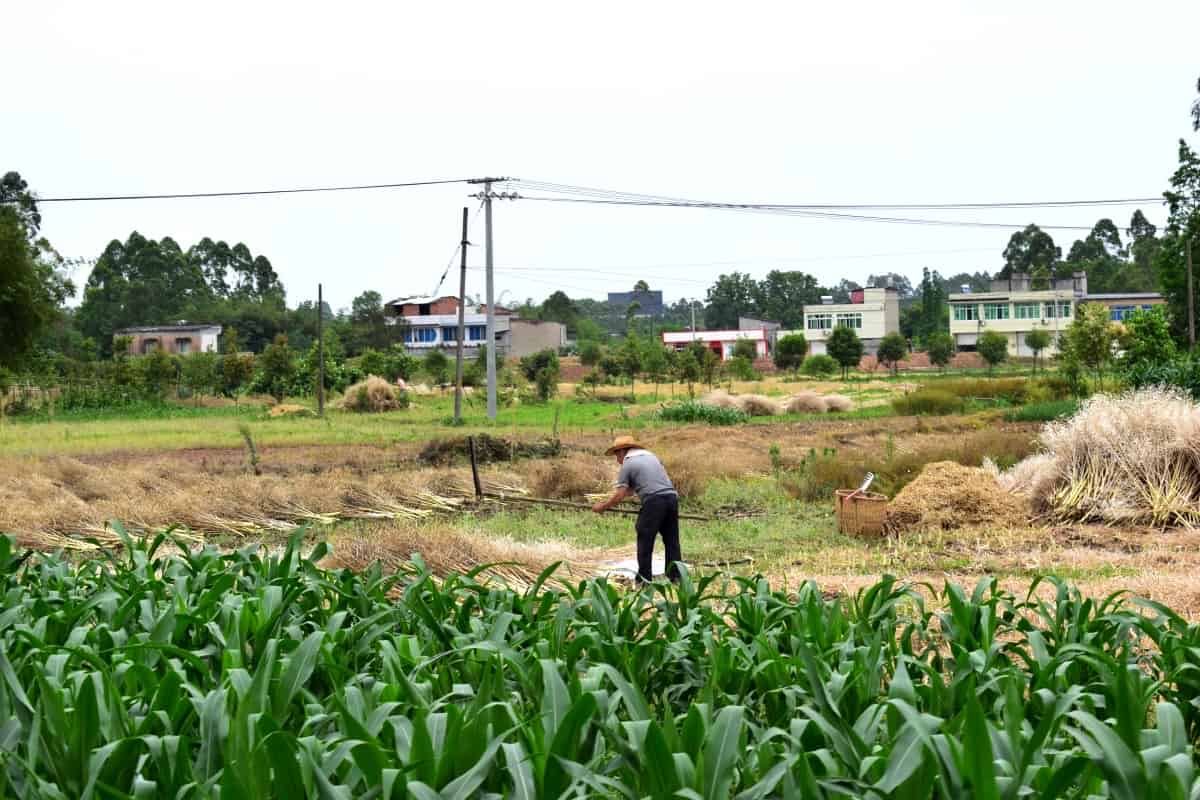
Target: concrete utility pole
486,195
462,328
693,304
1187,243
320,354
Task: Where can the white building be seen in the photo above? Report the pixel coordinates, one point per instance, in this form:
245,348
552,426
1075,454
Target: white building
180,339
1015,309
720,342
871,313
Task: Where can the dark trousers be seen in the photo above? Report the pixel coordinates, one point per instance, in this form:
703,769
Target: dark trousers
659,514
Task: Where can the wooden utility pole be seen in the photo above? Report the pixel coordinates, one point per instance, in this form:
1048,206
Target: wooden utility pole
462,327
1187,243
320,354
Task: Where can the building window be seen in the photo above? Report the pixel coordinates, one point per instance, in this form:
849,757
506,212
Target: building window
850,320
1027,310
477,333
819,322
423,309
1063,310
183,346
965,313
149,346
995,310
421,335
1119,313
449,334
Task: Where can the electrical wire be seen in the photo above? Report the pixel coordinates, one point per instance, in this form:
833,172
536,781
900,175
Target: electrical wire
250,193
558,188
804,213
457,250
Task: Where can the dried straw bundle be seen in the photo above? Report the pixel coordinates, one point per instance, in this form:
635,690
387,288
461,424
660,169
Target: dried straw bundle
1130,459
806,403
756,405
372,395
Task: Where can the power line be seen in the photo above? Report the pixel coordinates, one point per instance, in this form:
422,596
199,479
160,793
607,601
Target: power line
792,211
249,193
558,188
454,255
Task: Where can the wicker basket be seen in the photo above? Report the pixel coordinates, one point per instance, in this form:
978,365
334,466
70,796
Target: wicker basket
860,513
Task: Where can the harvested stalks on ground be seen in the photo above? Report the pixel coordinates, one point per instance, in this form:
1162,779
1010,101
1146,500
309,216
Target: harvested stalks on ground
566,478
446,550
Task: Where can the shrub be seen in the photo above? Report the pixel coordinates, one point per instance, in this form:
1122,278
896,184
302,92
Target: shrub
820,366
589,353
928,402
534,363
373,362
1046,411
742,369
1011,390
1182,373
546,383
276,368
436,366
790,351
744,348
694,411
1037,340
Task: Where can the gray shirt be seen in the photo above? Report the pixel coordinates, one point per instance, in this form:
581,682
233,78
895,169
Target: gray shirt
643,473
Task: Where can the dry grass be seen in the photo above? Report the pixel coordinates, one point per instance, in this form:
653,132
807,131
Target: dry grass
371,395
720,398
805,403
289,410
1126,460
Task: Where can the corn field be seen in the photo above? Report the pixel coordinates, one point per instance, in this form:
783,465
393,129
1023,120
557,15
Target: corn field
208,674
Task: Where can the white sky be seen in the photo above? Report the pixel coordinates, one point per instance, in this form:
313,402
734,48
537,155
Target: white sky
789,102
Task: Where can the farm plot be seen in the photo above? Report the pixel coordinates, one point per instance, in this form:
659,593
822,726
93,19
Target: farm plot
244,674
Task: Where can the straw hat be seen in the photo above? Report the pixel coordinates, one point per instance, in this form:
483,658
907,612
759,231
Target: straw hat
623,443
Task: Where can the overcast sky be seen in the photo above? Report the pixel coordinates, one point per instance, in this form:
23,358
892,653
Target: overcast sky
790,102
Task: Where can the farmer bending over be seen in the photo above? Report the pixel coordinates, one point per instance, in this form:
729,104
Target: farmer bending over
643,473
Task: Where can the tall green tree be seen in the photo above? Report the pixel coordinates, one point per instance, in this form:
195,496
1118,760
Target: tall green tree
33,285
558,307
731,296
782,295
141,282
934,310
1032,251
1102,256
1144,244
901,283
1183,227
369,326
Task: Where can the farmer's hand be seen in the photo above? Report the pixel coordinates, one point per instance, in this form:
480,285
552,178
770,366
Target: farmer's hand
599,508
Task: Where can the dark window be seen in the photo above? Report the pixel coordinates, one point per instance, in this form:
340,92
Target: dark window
423,308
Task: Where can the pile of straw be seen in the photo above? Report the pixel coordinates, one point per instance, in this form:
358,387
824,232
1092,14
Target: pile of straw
371,395
949,496
289,410
757,405
1122,460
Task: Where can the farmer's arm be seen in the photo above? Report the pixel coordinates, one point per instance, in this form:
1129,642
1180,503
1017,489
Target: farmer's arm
619,495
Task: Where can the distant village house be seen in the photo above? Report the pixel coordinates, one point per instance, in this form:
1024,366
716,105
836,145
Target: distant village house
179,339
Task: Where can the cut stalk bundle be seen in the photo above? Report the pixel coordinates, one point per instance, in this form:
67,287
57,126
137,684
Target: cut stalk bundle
1128,460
